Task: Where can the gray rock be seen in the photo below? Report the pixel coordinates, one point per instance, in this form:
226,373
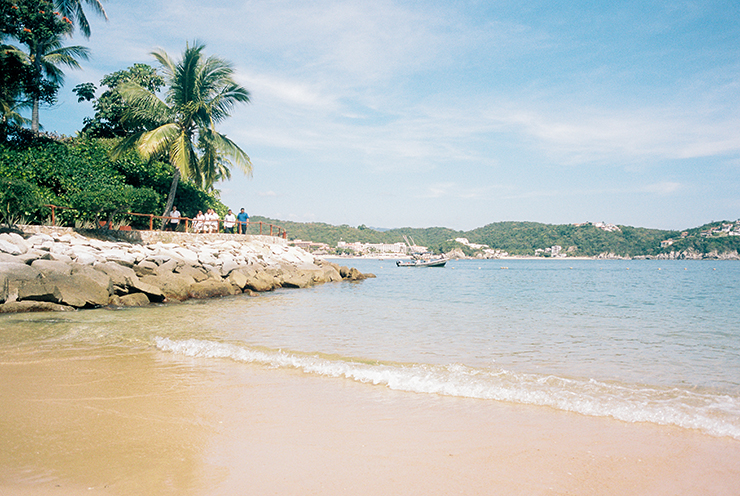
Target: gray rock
60,257
173,286
9,248
12,275
145,268
75,290
123,277
261,281
33,306
211,288
101,278
133,300
52,267
196,272
153,293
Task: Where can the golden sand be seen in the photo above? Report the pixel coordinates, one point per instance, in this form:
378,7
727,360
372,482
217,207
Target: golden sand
109,421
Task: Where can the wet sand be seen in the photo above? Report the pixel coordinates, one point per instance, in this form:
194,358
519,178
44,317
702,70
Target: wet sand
122,422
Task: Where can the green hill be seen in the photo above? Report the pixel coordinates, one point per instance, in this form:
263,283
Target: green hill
531,238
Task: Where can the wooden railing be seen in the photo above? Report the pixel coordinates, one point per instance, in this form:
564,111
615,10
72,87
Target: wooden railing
192,225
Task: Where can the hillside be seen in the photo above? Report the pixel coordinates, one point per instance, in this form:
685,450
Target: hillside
531,238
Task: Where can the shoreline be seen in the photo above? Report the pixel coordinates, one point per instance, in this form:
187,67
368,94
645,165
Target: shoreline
52,269
148,422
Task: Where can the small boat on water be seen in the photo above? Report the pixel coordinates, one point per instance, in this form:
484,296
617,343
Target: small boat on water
420,262
420,259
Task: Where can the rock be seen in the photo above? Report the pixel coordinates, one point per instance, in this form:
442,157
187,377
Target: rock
173,286
122,277
50,268
75,290
228,266
145,268
7,258
101,278
210,288
120,257
12,275
260,281
9,248
33,306
33,254
134,300
39,239
85,259
194,271
238,279
60,257
152,292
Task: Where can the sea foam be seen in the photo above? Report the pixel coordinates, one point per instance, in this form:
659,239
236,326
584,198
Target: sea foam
714,414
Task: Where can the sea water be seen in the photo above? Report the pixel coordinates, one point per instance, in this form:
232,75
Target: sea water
639,341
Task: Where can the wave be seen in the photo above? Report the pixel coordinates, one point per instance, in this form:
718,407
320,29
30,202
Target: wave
715,414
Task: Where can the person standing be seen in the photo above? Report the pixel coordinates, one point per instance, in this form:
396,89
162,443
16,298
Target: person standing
211,221
243,219
198,224
229,222
174,219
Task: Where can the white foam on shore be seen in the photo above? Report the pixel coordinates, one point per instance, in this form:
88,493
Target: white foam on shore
714,414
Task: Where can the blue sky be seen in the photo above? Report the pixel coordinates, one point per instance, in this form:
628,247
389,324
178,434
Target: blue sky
459,114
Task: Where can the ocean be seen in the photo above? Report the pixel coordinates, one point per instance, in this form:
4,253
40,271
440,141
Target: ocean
638,341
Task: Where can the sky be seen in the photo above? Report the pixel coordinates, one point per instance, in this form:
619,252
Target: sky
458,113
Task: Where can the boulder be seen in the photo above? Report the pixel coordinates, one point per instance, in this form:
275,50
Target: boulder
123,277
145,268
238,279
133,300
75,290
210,288
172,285
33,306
12,275
261,281
294,277
9,248
52,268
198,273
152,292
101,278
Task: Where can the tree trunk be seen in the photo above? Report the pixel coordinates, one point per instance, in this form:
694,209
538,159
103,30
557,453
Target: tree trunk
35,116
171,197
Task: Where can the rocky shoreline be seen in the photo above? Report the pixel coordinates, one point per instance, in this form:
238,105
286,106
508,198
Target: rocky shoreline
60,270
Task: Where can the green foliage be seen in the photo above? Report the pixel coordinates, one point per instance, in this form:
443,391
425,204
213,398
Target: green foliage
79,175
521,238
85,92
110,109
40,28
18,198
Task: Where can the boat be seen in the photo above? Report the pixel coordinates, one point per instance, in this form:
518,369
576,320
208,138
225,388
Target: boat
420,259
420,262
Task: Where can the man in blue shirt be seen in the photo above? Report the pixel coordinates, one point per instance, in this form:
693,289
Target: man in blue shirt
243,221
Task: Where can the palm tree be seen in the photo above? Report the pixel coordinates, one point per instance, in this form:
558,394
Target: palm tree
45,56
201,94
72,9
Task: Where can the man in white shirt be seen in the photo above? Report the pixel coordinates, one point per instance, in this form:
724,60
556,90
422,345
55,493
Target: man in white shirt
229,222
174,220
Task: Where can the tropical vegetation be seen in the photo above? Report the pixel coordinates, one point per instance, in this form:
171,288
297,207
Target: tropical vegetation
527,238
200,93
131,154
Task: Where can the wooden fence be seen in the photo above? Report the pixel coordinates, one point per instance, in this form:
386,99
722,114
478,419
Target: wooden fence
196,225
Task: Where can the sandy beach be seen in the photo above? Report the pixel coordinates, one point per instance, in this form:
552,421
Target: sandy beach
122,422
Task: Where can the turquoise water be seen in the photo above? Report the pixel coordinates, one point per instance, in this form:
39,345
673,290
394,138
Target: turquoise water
634,340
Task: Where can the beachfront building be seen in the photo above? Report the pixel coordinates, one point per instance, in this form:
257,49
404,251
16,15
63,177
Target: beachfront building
310,246
376,248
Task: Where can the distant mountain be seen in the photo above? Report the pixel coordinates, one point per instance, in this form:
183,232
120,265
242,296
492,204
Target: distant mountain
530,238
